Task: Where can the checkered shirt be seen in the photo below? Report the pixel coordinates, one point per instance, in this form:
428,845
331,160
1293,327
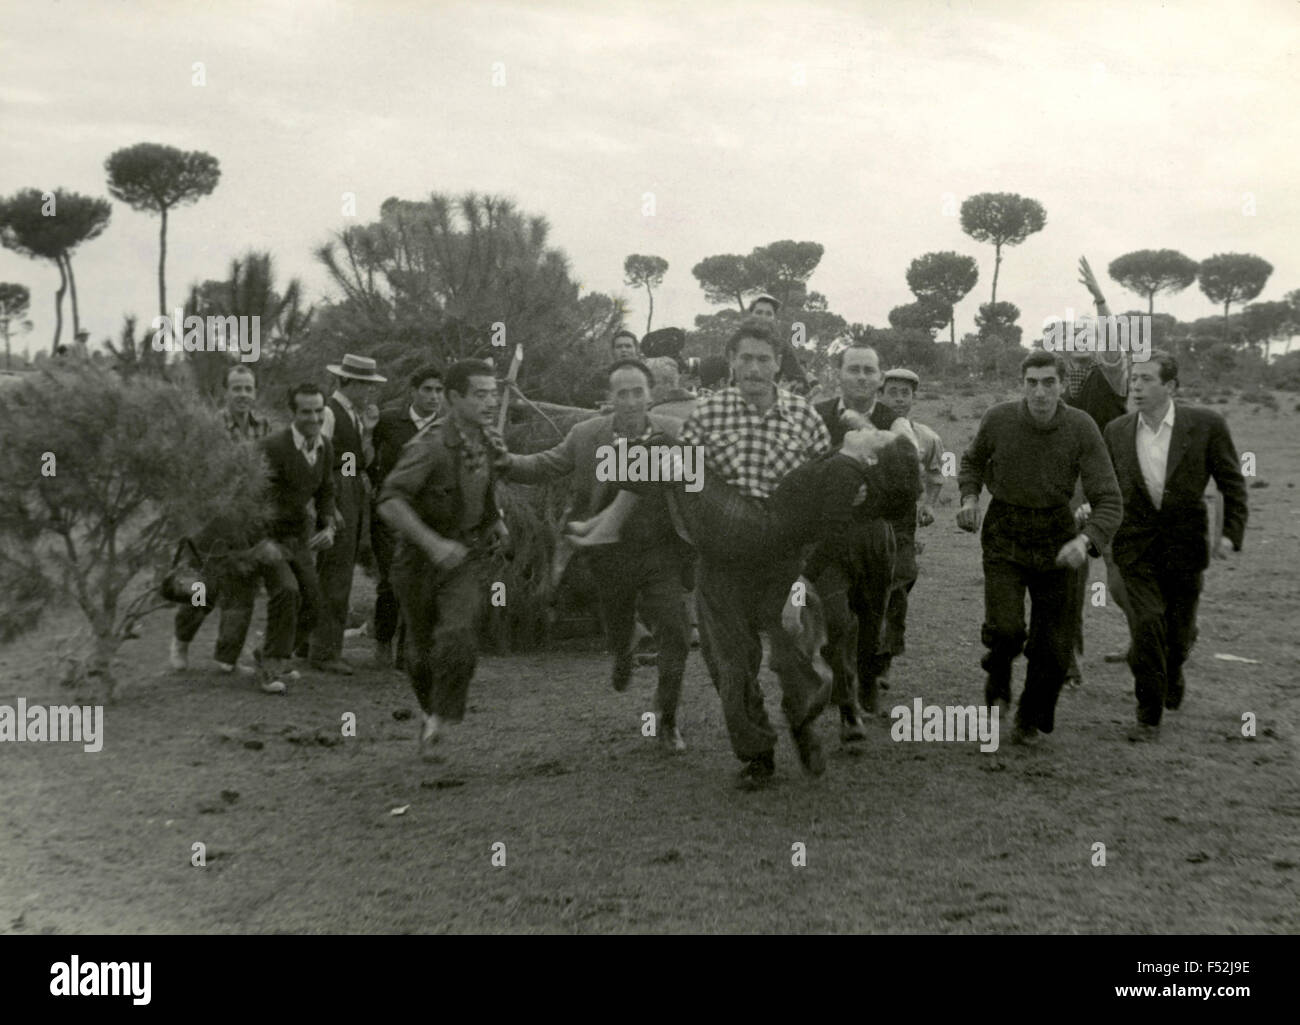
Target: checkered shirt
258,426
750,450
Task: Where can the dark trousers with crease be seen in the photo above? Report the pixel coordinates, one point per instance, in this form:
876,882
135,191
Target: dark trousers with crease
1161,608
440,609
737,602
651,580
894,641
297,574
334,568
855,590
388,613
1020,547
234,593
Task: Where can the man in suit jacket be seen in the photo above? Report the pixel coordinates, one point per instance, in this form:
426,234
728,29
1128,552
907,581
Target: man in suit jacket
1164,455
395,428
348,430
648,562
299,460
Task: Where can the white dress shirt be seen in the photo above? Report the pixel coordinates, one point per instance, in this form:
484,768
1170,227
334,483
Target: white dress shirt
1153,453
309,451
421,422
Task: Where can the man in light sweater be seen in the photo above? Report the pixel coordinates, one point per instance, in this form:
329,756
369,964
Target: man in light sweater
1029,453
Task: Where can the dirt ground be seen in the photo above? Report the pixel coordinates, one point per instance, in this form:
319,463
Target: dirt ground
604,833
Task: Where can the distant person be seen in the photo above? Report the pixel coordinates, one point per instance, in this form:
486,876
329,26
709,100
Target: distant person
349,420
899,392
624,345
1165,454
240,393
300,478
1029,453
395,428
232,579
791,373
1096,383
233,560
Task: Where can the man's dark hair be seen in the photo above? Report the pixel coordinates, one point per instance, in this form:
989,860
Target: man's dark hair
1168,365
837,361
628,362
758,329
625,333
893,481
238,368
458,374
425,373
306,388
1043,358
764,299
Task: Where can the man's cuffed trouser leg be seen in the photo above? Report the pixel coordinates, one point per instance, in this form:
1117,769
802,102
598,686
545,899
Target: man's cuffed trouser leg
441,611
1051,639
663,603
833,586
905,572
1003,632
334,569
238,593
874,555
301,563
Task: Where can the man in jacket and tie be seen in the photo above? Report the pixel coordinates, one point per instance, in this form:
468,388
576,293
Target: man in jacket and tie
1164,455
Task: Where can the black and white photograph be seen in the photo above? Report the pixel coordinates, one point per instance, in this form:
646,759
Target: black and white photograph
576,468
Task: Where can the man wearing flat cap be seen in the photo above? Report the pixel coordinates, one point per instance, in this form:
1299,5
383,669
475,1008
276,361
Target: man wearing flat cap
349,419
898,391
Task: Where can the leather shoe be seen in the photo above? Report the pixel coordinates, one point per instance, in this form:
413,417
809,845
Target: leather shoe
757,773
809,747
851,729
334,665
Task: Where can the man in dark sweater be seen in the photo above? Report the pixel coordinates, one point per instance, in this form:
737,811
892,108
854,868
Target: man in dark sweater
647,564
395,428
299,461
855,573
1029,453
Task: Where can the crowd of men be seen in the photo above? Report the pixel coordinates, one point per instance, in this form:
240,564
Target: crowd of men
1096,458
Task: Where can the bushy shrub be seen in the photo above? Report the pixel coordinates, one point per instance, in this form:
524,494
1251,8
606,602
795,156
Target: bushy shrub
99,476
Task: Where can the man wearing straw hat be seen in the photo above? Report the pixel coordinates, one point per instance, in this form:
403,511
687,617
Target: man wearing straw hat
349,419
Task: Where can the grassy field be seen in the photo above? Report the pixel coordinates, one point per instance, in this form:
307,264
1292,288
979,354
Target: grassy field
604,833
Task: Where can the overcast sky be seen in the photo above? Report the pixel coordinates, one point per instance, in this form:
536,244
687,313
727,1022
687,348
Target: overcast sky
1137,125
